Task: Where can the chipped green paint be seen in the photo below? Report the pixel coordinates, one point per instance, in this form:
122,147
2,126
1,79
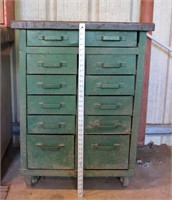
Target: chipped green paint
111,38
51,84
52,38
50,152
51,64
48,124
107,124
51,104
111,64
110,85
108,105
106,151
48,97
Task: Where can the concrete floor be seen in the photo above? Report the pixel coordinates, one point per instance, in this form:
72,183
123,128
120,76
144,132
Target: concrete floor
152,181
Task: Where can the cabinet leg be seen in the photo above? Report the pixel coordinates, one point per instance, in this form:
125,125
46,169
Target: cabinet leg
124,181
32,180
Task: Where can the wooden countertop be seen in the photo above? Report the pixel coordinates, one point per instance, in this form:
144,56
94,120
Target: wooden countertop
132,26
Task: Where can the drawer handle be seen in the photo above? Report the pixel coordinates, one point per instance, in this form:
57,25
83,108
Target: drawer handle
50,106
51,86
111,38
53,38
105,147
50,148
109,107
110,86
116,65
99,126
51,125
61,64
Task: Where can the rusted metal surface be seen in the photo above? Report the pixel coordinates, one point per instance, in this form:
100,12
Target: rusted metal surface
146,12
7,12
146,16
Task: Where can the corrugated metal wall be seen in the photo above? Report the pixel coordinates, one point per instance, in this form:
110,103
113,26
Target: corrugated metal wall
78,10
160,84
160,88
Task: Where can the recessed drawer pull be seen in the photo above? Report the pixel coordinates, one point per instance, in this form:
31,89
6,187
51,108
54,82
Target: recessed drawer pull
115,65
61,64
51,106
50,148
51,125
51,86
109,107
110,86
100,126
53,38
104,147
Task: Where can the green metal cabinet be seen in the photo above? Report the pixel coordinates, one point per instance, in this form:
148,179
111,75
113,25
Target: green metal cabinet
48,97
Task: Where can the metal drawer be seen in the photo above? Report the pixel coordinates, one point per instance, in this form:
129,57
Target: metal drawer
51,124
106,151
52,38
50,152
51,64
110,64
111,38
107,124
51,84
51,104
108,105
110,85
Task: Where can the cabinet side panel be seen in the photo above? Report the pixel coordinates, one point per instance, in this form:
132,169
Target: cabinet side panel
137,99
22,83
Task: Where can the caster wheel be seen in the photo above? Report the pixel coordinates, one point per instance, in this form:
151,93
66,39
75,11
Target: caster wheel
124,181
32,180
